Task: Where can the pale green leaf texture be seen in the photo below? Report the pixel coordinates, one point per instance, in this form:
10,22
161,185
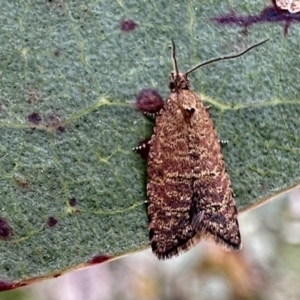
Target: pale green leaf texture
69,62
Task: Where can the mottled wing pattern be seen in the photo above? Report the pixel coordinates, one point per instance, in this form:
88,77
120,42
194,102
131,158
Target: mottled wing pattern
189,192
293,6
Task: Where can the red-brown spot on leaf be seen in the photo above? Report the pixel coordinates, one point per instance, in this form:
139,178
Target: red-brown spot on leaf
52,221
21,181
128,25
4,285
73,201
57,53
99,258
54,122
5,229
269,14
61,129
149,101
34,118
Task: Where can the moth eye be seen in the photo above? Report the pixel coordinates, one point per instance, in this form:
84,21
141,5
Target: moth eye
172,84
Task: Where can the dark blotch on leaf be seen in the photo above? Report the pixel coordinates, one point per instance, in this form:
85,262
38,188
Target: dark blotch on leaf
21,181
34,118
54,120
57,53
4,286
269,14
73,201
149,101
52,221
5,230
99,258
128,25
61,129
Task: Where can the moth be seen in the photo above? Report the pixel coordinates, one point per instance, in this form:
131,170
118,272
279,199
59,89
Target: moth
188,189
293,6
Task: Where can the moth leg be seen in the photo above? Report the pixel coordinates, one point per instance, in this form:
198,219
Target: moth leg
223,142
151,115
143,148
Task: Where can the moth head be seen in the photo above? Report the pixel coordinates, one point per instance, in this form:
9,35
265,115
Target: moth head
178,81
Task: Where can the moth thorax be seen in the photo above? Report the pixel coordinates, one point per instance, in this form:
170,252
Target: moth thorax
178,82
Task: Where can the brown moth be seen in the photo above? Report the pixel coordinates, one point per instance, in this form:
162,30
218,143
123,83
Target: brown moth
189,192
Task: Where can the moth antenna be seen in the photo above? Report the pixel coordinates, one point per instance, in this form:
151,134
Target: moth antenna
222,57
174,59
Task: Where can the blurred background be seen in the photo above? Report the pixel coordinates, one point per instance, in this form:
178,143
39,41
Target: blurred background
268,267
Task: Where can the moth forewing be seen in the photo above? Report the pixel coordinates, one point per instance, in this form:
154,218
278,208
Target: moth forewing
189,191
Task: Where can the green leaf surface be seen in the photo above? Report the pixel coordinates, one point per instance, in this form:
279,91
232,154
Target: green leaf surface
70,63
